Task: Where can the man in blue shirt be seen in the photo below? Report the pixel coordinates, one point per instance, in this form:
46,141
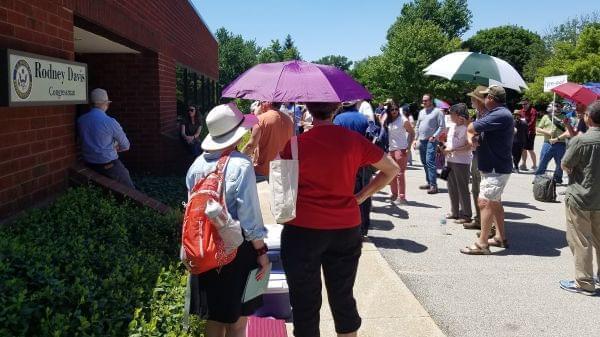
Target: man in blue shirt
430,125
492,134
101,138
353,120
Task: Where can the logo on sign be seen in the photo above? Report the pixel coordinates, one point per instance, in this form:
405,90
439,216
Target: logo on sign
22,80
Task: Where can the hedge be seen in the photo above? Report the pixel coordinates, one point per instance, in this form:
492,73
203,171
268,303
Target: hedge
89,265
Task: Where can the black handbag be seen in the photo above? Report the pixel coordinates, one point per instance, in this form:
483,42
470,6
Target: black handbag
445,172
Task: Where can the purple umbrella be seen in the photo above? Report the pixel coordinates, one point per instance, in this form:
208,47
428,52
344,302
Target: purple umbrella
441,104
295,81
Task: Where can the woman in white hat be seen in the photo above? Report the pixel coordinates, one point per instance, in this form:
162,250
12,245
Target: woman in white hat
217,295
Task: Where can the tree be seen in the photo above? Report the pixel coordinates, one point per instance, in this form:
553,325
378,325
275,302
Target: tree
452,16
569,31
236,55
338,61
580,61
272,53
514,44
398,72
277,53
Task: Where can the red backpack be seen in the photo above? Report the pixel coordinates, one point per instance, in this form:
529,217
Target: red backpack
202,248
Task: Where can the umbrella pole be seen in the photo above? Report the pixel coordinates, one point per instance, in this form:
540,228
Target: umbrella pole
294,119
553,110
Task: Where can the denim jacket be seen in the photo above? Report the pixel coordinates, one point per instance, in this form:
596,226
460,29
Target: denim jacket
241,195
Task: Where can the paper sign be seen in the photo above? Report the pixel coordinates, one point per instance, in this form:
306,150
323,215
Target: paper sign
554,81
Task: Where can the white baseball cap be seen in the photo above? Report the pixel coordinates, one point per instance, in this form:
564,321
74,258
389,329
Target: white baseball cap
99,95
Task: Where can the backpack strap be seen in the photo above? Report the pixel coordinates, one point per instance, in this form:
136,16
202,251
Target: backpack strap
220,171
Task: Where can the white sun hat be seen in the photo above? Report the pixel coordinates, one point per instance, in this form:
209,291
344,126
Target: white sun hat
226,125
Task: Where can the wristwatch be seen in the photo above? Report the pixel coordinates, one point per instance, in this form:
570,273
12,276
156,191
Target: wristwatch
262,251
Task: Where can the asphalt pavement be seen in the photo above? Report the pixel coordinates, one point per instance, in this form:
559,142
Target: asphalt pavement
513,292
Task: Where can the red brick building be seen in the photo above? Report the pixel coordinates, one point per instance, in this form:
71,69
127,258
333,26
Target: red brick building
154,57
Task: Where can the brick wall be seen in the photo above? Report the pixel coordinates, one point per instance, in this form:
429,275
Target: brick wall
37,144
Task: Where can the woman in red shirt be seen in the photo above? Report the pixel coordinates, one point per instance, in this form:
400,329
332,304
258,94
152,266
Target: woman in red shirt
326,231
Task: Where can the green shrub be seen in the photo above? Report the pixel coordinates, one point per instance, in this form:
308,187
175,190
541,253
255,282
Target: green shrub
91,266
170,190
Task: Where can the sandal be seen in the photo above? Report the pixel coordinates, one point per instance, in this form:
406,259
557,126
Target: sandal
498,243
476,249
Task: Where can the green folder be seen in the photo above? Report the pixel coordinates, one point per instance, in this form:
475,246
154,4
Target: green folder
256,288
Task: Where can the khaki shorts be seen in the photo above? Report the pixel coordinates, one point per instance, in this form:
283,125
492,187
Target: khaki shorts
492,185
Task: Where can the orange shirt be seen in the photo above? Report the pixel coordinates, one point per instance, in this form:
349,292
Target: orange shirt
276,129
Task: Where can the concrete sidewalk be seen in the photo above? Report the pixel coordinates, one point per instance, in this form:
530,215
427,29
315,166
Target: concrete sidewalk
385,304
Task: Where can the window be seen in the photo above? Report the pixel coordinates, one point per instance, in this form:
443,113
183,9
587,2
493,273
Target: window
194,89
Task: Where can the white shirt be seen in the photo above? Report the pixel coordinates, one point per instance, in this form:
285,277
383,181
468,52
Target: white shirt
397,134
367,110
457,137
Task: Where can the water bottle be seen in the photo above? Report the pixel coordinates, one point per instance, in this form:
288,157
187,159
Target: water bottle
228,228
443,227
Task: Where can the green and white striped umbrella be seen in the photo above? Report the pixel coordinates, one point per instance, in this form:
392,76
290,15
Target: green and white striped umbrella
478,68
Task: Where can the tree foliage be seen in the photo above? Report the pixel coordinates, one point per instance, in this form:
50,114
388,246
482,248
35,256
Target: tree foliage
569,31
398,72
341,62
514,44
236,55
452,16
275,52
580,61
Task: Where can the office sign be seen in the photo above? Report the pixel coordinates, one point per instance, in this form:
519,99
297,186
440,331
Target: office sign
554,81
35,80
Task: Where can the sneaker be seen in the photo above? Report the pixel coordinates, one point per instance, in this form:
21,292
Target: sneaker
424,187
523,167
534,168
463,221
432,190
572,286
401,202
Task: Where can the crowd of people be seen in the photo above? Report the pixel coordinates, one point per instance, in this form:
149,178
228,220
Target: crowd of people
347,151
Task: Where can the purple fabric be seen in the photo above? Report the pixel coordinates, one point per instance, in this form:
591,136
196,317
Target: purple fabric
441,104
295,81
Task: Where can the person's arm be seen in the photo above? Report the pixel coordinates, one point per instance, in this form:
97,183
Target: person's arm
120,137
183,135
571,157
197,134
253,142
411,132
388,169
249,216
472,135
441,119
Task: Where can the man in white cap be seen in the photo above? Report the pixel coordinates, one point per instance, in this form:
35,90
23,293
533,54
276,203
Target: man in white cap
101,138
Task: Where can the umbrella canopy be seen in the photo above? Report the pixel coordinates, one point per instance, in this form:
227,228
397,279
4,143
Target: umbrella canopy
295,81
478,68
441,104
576,92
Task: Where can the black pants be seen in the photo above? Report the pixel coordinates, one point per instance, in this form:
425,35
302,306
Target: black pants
517,152
303,252
363,177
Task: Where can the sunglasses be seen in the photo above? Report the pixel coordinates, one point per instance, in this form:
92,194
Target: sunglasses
191,109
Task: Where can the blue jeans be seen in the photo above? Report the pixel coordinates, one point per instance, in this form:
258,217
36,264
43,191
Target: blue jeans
552,151
427,151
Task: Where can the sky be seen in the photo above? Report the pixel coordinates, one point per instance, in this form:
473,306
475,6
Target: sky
357,28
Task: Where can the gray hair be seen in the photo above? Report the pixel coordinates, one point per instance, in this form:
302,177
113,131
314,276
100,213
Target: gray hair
593,111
